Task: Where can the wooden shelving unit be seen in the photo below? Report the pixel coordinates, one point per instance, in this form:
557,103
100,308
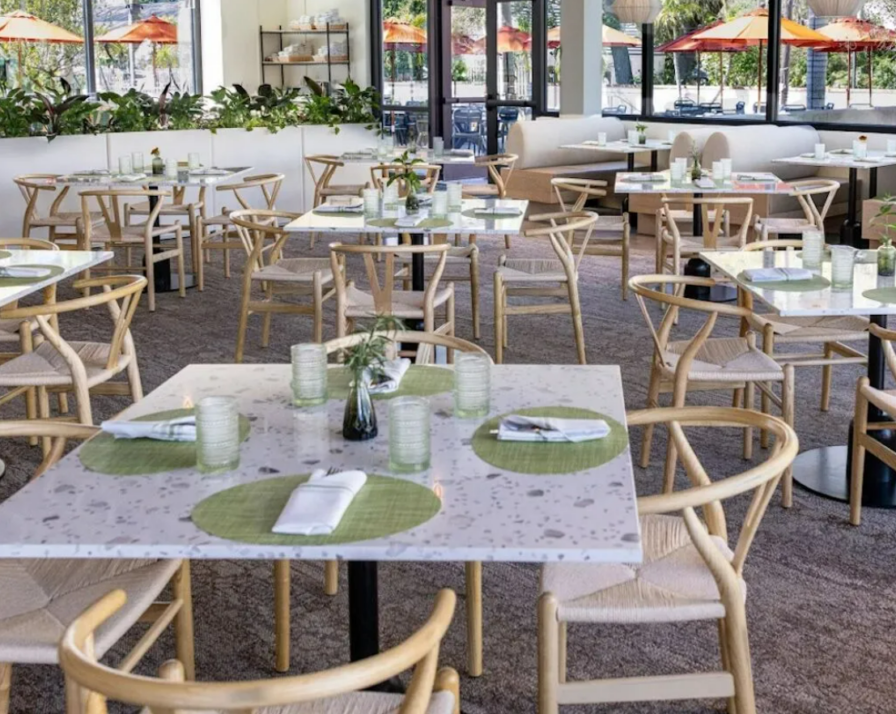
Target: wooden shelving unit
327,33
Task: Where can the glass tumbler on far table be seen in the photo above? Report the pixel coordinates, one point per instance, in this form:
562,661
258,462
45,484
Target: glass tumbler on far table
472,385
138,162
843,260
813,248
171,168
194,161
371,201
439,207
455,194
309,374
217,435
409,436
125,165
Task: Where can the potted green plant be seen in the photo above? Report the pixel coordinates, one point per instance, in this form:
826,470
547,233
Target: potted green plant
408,179
886,252
696,169
367,356
642,133
158,164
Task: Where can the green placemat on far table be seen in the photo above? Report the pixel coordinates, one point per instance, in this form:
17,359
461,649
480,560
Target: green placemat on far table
471,213
139,457
340,214
864,257
549,458
418,381
816,282
4,254
54,270
885,295
383,507
428,223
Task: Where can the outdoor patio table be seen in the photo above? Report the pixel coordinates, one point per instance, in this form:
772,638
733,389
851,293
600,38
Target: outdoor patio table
509,512
826,470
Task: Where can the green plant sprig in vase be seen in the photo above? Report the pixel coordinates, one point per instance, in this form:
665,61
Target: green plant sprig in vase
886,252
409,180
642,133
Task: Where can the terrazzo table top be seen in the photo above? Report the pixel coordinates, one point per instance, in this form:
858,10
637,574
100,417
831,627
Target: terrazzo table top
487,514
874,160
814,303
183,178
72,262
621,147
312,222
739,183
371,157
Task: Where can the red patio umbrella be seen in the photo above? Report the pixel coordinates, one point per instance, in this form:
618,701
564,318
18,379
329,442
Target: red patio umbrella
20,27
153,29
510,39
688,43
850,34
610,37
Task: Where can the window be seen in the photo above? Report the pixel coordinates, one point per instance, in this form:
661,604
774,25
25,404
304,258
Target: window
143,45
405,63
553,64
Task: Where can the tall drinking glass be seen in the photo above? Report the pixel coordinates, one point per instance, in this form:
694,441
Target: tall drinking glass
138,162
217,434
843,260
813,248
472,384
455,195
409,436
309,374
125,165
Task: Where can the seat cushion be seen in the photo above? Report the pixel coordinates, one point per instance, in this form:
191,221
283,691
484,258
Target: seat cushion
357,703
168,209
296,270
42,597
406,304
532,270
848,328
46,367
725,359
66,219
129,234
673,584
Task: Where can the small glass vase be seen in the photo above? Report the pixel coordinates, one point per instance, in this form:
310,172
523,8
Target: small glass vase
158,166
886,260
696,171
642,139
359,421
412,203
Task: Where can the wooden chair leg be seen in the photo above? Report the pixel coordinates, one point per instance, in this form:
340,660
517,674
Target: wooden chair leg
134,380
768,346
5,686
266,318
507,241
447,680
749,396
474,293
26,342
181,272
499,319
226,259
827,375
150,281
578,328
548,657
653,401
183,621
473,580
739,653
561,651
281,615
62,402
331,577
43,408
726,660
787,407
859,428
318,298
243,324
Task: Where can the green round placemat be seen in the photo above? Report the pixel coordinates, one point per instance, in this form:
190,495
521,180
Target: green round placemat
139,457
418,381
340,214
4,254
549,458
885,295
19,282
247,513
471,213
867,257
428,223
816,282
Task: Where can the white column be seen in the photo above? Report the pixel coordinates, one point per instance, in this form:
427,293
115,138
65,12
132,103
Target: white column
581,58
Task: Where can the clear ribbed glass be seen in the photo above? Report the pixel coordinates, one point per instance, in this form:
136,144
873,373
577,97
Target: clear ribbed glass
439,203
194,160
455,195
843,259
472,384
371,201
813,248
409,437
125,165
217,434
309,374
138,162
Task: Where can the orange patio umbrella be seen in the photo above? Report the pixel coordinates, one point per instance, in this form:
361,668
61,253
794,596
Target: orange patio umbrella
510,39
463,45
153,29
402,37
751,29
611,37
688,43
850,34
21,27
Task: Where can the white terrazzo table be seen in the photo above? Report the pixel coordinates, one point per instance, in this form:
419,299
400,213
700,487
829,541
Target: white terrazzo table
72,263
825,470
449,158
851,230
630,151
487,514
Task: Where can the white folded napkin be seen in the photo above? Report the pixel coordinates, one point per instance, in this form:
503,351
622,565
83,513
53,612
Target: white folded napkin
317,506
21,271
648,177
180,429
527,428
758,178
331,208
705,183
497,211
211,171
765,275
130,178
393,372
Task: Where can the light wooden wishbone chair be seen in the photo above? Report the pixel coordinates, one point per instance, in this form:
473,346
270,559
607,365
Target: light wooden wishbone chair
61,225
813,217
496,164
689,573
336,691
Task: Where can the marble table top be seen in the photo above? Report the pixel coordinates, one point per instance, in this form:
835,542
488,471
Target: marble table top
814,303
428,157
71,261
621,147
183,178
312,222
739,183
875,160
487,513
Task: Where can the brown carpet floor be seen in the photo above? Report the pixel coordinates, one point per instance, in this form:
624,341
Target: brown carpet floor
821,593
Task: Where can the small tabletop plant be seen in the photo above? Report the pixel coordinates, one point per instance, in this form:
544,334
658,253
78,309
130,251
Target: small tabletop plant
158,165
408,179
368,355
642,133
886,252
696,169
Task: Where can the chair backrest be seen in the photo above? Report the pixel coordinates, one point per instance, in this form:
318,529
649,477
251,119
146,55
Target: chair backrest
262,236
560,230
381,174
111,204
494,163
58,432
779,244
27,244
170,693
583,188
30,186
322,167
268,184
708,494
711,228
382,289
120,293
427,341
804,192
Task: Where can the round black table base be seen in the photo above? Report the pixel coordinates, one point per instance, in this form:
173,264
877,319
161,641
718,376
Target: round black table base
825,472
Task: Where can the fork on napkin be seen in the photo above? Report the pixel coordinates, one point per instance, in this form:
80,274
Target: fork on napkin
549,429
180,429
21,271
389,379
765,275
317,506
